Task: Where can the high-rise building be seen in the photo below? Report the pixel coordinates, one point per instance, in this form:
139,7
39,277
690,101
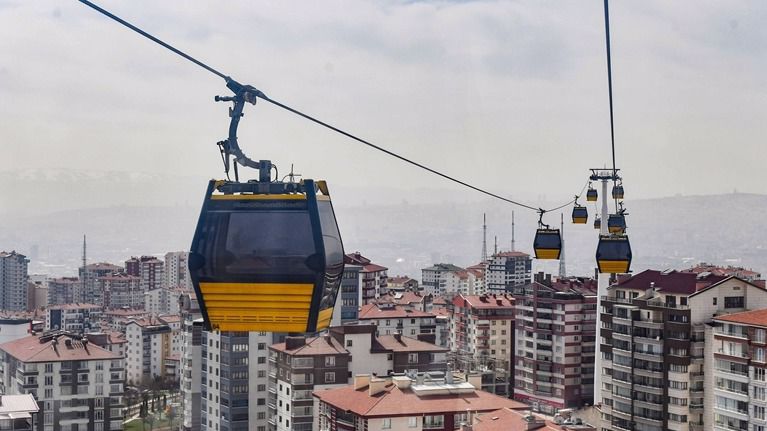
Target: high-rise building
89,290
77,385
393,319
735,375
76,318
508,269
433,278
149,269
64,290
191,363
373,277
13,281
149,345
177,270
121,291
555,334
402,283
234,380
482,338
653,346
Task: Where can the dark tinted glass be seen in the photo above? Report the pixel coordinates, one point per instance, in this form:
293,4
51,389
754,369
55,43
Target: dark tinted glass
616,220
256,243
547,240
334,254
614,249
580,212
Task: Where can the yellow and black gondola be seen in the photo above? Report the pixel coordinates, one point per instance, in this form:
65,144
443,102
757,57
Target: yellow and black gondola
547,243
263,261
597,223
591,195
618,191
613,254
616,223
580,214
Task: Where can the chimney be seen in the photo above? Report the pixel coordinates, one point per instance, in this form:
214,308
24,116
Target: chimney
475,380
292,343
402,382
376,386
361,380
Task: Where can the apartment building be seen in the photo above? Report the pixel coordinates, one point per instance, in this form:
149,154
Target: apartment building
149,269
508,269
402,283
76,318
434,278
163,300
482,338
13,281
373,278
653,344
65,290
89,290
735,382
77,385
121,291
234,381
177,270
555,334
405,403
387,354
190,383
726,271
300,366
399,319
149,345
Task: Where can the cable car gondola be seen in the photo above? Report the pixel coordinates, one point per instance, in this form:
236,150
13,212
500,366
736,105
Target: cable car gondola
266,255
613,254
618,191
591,195
548,242
616,223
580,213
597,223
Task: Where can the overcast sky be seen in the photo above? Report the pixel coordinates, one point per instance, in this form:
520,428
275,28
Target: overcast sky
510,95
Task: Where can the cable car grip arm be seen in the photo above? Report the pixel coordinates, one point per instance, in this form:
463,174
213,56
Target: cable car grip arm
242,94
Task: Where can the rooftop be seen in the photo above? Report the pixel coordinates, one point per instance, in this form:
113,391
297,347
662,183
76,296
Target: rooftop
387,398
511,254
668,281
506,419
484,301
57,347
17,406
389,311
324,345
752,318
402,343
443,267
75,306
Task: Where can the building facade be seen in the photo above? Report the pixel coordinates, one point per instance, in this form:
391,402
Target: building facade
555,334
508,269
653,346
149,345
433,278
393,319
77,385
177,270
75,318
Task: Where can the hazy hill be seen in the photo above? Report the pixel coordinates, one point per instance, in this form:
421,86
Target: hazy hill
47,218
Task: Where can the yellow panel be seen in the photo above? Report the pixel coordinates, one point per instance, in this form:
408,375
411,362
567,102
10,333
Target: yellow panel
297,196
614,266
615,229
590,199
272,307
543,253
580,220
323,320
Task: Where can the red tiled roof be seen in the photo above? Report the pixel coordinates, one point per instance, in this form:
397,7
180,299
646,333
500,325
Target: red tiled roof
511,254
30,349
400,279
373,311
668,281
441,311
75,306
483,301
753,318
407,344
314,346
507,419
393,401
372,267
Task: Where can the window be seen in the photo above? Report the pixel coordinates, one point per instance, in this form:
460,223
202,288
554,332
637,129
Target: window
330,377
760,336
412,422
48,368
386,424
348,343
436,421
714,301
412,358
734,302
261,346
330,361
759,354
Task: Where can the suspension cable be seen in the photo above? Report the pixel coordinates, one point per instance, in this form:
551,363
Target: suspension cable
349,135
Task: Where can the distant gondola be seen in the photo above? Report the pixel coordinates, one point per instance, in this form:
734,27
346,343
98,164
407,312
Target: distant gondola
618,191
547,243
580,214
597,223
591,195
616,223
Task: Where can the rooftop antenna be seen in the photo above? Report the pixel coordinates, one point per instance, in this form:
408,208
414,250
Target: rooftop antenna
562,269
85,271
512,232
484,237
495,248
